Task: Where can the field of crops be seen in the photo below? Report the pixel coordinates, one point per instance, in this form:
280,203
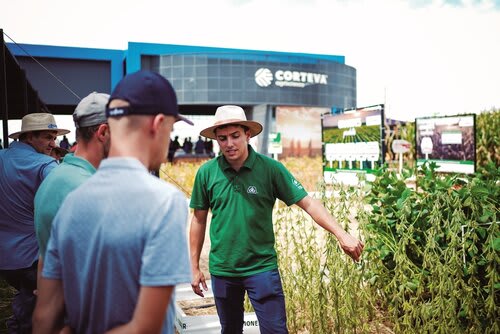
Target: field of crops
364,133
432,256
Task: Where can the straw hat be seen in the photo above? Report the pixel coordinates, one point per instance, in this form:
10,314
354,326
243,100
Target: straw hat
231,115
38,122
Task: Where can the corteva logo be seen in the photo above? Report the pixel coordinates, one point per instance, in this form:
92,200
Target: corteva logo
264,78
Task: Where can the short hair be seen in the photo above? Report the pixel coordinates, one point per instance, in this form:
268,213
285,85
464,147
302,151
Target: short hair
23,136
85,134
245,128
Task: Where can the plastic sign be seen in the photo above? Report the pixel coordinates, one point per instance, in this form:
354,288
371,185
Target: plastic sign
426,145
275,146
400,146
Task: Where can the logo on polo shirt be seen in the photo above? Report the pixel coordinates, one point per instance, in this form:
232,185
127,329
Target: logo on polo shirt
297,184
252,190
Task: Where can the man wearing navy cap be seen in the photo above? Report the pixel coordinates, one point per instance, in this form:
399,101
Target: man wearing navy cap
118,244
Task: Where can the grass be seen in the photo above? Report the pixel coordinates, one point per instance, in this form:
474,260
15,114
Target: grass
6,295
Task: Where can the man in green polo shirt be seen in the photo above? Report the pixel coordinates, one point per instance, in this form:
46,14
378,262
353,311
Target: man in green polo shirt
240,187
93,137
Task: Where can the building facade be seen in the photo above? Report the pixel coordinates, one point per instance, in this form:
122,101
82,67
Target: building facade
203,77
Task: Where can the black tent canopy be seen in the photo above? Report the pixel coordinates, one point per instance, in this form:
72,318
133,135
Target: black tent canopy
17,95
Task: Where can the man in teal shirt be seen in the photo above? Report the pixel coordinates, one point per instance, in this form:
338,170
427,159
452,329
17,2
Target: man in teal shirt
240,187
92,135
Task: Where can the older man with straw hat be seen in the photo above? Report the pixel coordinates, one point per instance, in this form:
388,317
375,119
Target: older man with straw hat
23,166
240,187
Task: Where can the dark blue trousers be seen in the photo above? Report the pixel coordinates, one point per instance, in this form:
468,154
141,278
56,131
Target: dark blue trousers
265,293
23,304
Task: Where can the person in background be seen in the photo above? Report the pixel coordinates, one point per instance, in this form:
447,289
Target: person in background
23,166
64,143
173,147
92,132
118,243
240,187
209,147
199,147
187,145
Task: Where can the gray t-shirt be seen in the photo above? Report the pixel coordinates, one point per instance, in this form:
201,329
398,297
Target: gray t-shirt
121,229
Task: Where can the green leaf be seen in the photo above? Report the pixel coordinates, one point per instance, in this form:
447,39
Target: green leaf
482,232
406,193
486,216
496,244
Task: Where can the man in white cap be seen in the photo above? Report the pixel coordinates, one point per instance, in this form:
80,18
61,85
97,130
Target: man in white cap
92,134
240,187
24,165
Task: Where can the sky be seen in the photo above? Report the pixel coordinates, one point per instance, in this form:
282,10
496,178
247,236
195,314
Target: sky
419,57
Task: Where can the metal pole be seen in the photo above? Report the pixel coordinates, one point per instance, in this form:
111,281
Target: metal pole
4,108
25,92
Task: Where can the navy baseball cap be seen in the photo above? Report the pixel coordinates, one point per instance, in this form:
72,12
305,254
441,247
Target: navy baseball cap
148,93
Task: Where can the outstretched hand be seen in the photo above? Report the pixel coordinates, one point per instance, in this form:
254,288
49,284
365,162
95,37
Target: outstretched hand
198,284
351,246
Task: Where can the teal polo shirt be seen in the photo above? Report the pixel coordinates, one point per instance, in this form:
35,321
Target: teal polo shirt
65,178
241,229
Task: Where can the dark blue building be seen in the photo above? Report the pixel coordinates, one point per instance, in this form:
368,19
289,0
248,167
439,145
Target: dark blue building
203,77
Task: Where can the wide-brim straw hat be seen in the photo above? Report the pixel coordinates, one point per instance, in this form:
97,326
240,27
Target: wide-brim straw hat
38,122
231,115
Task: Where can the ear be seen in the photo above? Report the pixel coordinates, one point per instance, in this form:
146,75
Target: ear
103,132
29,137
157,123
249,135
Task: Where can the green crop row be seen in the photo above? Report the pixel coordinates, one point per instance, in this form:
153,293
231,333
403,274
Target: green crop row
431,261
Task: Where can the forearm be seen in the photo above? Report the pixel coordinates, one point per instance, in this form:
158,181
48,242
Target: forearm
149,313
45,325
196,240
351,246
48,316
39,271
322,217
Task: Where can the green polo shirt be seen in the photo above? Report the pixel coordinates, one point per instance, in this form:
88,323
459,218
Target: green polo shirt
241,230
63,179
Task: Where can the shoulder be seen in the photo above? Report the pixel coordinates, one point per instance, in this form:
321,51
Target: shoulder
262,160
66,175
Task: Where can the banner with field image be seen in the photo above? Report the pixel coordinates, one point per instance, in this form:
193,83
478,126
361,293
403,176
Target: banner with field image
352,143
300,129
449,141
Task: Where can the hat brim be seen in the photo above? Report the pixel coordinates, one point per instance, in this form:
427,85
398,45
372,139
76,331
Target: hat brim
60,132
254,127
182,118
